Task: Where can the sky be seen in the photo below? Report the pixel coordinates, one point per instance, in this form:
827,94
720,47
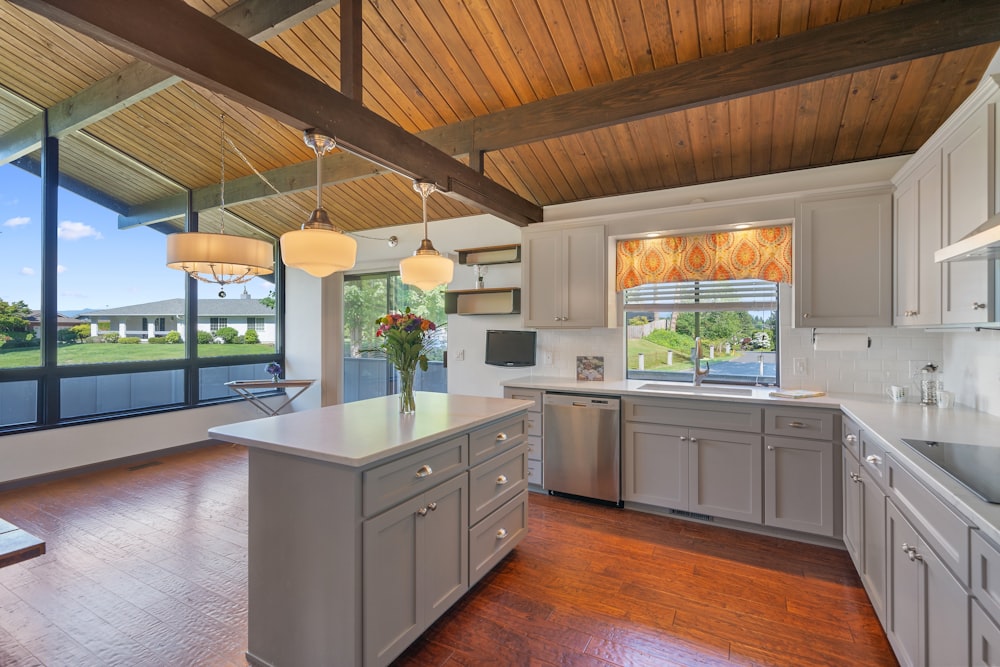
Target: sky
99,265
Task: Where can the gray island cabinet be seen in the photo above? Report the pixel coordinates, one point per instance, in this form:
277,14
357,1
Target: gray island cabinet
366,526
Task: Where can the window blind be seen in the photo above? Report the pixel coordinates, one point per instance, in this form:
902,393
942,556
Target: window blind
750,295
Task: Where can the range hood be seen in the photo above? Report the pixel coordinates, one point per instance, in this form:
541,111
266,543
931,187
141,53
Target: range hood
982,243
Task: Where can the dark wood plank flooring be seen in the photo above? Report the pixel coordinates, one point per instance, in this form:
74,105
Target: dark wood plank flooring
147,566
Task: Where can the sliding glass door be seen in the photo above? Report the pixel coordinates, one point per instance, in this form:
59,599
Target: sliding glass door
368,297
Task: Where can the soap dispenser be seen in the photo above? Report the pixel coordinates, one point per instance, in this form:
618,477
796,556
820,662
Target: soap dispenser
930,384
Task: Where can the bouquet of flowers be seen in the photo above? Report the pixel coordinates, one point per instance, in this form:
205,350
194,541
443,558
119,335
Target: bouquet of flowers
274,369
404,339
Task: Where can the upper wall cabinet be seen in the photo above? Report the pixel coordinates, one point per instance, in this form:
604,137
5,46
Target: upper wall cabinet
564,278
968,173
843,261
917,210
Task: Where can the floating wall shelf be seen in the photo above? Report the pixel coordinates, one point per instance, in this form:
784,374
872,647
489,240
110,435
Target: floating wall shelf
485,301
497,254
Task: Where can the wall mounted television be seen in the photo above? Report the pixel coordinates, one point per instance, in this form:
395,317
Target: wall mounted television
510,348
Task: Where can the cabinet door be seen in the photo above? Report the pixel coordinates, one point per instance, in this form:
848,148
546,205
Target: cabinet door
968,196
853,499
946,617
843,262
655,465
725,475
918,234
798,484
903,592
443,542
585,267
872,543
542,300
985,638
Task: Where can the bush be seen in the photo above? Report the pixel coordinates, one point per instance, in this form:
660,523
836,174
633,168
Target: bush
205,337
67,336
240,340
251,337
129,340
227,334
157,340
111,337
174,337
672,340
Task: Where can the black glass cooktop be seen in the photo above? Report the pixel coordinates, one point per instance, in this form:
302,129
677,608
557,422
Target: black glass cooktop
975,466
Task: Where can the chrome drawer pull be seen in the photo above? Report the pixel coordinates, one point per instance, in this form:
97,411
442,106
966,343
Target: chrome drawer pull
501,480
874,460
502,533
796,424
855,477
852,438
424,470
501,436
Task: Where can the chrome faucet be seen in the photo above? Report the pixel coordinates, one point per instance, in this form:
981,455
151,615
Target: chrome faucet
696,358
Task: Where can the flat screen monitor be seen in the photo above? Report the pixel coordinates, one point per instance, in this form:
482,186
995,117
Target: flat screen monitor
510,348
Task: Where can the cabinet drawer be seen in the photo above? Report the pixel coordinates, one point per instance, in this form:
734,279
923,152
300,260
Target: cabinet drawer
493,483
945,531
496,535
395,481
985,639
497,437
534,448
694,412
525,395
986,574
850,435
534,424
799,423
535,473
873,458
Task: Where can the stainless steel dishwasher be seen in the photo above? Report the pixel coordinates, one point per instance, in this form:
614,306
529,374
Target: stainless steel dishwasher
581,452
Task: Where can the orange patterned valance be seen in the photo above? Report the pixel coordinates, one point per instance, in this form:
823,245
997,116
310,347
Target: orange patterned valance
764,253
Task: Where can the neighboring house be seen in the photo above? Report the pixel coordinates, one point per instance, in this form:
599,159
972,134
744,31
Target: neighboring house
147,320
62,322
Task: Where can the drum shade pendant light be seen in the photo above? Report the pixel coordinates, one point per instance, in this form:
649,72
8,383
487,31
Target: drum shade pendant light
426,269
220,258
319,248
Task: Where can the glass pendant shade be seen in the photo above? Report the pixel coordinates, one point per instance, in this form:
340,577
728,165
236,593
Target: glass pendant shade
426,268
318,248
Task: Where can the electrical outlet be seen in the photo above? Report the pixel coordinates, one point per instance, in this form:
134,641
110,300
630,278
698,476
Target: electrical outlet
460,355
800,366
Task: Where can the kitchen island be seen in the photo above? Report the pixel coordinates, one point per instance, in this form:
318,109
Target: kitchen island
366,525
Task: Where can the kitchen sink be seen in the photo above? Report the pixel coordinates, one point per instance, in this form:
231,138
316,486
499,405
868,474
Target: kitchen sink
703,390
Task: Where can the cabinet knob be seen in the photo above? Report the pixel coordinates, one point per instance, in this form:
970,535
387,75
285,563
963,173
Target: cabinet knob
805,315
911,313
424,471
501,480
683,438
978,306
502,533
694,441
422,511
856,478
556,318
874,460
501,436
432,506
851,438
770,448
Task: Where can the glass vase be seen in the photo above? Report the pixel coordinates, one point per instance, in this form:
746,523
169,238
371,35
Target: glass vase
407,404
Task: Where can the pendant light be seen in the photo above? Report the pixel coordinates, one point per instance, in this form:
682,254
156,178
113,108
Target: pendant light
319,248
220,258
426,269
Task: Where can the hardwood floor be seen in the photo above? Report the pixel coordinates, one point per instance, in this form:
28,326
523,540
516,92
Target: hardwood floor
147,566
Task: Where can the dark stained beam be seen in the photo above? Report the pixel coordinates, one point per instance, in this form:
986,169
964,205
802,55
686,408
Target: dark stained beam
193,46
351,75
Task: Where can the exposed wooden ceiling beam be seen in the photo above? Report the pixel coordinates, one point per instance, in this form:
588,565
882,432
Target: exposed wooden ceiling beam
913,30
351,74
191,45
258,20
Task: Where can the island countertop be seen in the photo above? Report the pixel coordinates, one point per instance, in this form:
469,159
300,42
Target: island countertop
365,432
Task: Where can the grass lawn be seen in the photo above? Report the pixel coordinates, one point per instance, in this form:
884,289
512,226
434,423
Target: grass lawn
656,356
105,353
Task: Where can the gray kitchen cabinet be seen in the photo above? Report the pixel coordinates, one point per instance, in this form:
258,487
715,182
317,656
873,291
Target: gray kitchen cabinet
536,445
843,261
986,605
725,474
853,510
985,638
564,272
655,465
799,485
918,215
864,528
927,608
416,560
968,180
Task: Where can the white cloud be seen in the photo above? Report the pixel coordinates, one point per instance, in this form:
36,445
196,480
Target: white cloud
17,221
73,231
27,271
60,268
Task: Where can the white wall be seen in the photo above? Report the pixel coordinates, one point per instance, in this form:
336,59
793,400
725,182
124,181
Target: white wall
972,369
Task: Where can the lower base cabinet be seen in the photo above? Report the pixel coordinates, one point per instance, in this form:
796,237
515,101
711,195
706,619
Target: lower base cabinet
798,485
927,609
873,533
985,638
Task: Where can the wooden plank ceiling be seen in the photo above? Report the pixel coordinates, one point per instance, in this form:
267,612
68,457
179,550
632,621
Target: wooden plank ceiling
431,64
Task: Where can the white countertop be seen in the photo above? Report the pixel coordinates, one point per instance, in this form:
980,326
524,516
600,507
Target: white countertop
366,432
889,421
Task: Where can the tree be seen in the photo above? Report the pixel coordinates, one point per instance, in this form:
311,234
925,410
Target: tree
13,316
268,300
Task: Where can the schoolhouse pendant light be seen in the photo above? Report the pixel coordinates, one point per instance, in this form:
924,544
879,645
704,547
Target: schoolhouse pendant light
220,258
319,248
426,269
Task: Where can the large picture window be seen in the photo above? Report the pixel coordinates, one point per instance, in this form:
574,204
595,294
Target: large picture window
735,319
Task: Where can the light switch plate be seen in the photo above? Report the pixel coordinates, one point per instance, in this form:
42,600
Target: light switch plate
800,366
